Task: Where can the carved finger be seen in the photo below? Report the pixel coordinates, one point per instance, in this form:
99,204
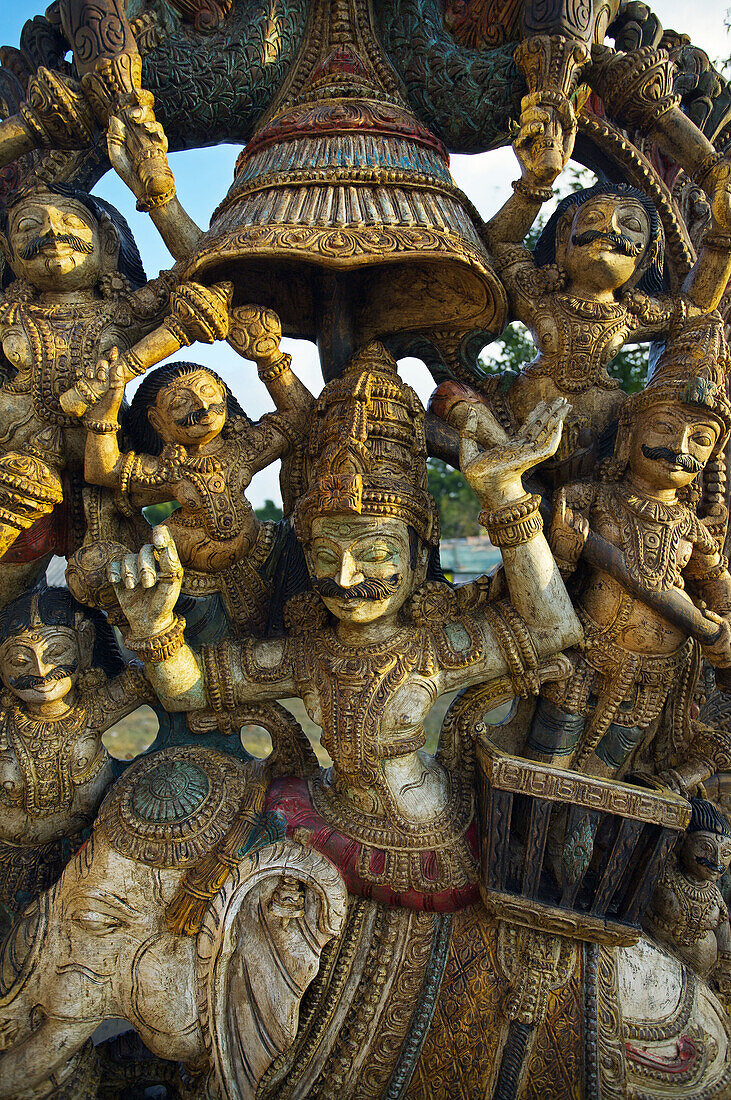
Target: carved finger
490,431
129,571
116,375
528,101
534,116
115,131
468,449
166,552
114,573
566,115
146,566
532,418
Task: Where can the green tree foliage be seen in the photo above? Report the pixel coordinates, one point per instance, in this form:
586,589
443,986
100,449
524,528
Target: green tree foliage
268,510
457,504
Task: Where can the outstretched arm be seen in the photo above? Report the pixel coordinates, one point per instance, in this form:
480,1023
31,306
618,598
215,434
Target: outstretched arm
255,333
709,276
129,143
104,464
102,457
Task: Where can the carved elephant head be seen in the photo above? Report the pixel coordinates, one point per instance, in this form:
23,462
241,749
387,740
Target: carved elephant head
99,945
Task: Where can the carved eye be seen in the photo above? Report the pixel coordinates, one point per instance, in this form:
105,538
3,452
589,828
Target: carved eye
377,554
96,922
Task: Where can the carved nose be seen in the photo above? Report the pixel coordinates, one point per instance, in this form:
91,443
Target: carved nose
348,575
42,667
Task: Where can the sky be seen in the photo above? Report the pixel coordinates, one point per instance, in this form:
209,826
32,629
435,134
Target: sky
203,177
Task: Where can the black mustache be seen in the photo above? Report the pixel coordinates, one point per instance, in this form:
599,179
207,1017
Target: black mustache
677,458
199,414
23,683
39,243
622,244
373,588
718,867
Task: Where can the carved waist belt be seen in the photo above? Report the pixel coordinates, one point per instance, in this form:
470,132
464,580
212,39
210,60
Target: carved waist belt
607,656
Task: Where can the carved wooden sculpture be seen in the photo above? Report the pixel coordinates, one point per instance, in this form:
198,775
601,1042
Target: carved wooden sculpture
534,910
64,686
195,445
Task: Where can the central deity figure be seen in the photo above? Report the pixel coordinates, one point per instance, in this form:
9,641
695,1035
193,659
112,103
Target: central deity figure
377,640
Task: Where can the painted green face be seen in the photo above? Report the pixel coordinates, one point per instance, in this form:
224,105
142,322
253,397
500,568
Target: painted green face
352,551
40,666
190,410
55,244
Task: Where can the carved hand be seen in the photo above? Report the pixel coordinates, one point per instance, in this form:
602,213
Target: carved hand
568,535
495,474
103,384
255,333
148,584
137,145
719,652
545,140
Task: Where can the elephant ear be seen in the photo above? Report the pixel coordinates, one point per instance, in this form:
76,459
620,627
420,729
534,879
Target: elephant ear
258,949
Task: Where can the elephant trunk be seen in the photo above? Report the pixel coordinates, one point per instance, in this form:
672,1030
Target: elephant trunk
30,1064
33,1042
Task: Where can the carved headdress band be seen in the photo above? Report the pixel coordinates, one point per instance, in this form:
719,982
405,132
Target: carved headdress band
692,369
367,450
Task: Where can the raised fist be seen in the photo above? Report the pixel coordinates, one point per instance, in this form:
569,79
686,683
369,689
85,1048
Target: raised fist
255,333
545,140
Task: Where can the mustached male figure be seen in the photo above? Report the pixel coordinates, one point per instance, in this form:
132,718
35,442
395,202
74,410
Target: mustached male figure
615,712
593,284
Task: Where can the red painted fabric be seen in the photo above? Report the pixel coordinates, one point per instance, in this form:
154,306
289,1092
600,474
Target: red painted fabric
291,797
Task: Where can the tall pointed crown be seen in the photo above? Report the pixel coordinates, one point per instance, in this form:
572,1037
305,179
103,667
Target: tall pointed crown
342,179
692,369
367,449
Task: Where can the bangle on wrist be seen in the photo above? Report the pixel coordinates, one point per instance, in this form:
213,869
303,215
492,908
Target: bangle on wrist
514,523
276,368
101,427
532,191
146,205
160,646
